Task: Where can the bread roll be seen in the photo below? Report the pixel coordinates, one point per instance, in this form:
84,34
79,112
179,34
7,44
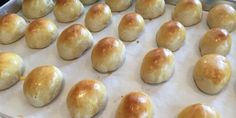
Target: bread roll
74,41
171,35
212,73
42,85
135,105
118,5
68,10
198,111
131,26
40,33
222,16
108,55
150,9
88,2
158,66
37,8
86,99
188,12
12,28
98,17
11,69
216,41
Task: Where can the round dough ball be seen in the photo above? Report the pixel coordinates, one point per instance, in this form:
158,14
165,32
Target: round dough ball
108,55
11,69
68,10
74,41
88,2
40,33
216,41
188,12
198,111
12,28
42,85
86,99
118,5
222,16
98,17
37,8
171,35
158,66
150,9
131,26
212,73
135,105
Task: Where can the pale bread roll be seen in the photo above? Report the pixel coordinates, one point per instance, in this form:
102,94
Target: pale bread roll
37,8
40,33
42,85
74,41
212,73
171,35
108,55
118,5
158,66
86,99
12,28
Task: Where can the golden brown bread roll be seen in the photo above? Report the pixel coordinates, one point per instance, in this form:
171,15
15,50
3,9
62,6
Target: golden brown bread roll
37,8
135,105
12,28
171,35
108,55
188,12
88,2
86,99
158,66
11,69
73,41
130,27
42,85
216,41
212,73
150,9
68,10
98,17
198,111
40,33
222,16
118,5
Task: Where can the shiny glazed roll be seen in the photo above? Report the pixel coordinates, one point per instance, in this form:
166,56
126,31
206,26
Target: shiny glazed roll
171,35
216,41
130,27
74,41
198,111
212,73
222,16
40,33
37,8
42,85
86,99
150,9
118,5
88,2
68,10
188,12
158,66
12,28
98,17
108,55
11,69
135,105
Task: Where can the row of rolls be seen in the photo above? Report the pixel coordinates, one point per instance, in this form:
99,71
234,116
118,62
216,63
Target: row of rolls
87,97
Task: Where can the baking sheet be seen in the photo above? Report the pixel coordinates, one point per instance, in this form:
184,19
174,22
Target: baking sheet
169,98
